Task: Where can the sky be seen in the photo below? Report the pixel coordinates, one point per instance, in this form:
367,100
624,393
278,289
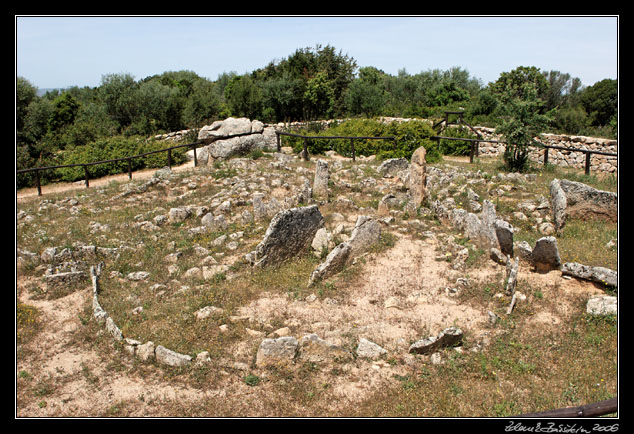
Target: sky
64,51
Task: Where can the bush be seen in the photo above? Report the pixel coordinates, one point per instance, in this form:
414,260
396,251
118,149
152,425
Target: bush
409,137
114,148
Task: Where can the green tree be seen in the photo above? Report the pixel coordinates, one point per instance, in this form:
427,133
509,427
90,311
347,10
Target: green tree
243,96
366,95
26,93
118,92
601,101
65,109
521,113
319,97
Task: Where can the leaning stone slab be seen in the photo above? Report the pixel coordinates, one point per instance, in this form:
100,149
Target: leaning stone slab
334,263
171,358
595,274
276,351
113,329
602,305
289,233
366,233
392,166
449,337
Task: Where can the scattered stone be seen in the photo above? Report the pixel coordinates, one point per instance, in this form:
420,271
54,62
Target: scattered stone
138,276
145,352
207,311
314,349
369,350
171,358
602,305
276,351
449,337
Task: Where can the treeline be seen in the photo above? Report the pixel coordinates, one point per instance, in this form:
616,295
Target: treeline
312,83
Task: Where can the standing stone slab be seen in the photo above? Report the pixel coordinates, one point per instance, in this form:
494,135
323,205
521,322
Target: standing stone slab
545,254
418,177
289,233
366,233
320,183
575,199
334,263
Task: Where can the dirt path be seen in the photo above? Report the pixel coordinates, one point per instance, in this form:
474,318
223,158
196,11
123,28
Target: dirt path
25,194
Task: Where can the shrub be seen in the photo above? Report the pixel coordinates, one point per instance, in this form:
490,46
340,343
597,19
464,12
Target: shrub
114,148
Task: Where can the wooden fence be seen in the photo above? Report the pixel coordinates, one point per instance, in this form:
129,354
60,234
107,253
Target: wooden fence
129,159
351,138
475,144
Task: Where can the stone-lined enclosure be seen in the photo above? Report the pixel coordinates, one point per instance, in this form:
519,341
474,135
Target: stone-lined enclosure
257,135
291,230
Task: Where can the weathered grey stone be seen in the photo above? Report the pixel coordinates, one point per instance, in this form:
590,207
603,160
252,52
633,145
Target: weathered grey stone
276,351
171,358
366,233
289,233
602,305
596,274
314,349
575,199
138,275
145,351
418,177
369,350
545,254
512,268
334,263
207,311
112,328
177,215
392,166
320,182
228,127
322,241
504,234
449,337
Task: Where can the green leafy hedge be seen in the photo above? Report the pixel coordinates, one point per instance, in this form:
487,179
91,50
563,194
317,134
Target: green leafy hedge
409,136
114,148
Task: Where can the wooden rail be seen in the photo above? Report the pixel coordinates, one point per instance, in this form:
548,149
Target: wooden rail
590,410
127,159
351,138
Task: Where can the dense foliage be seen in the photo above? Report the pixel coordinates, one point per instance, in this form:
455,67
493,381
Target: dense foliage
310,84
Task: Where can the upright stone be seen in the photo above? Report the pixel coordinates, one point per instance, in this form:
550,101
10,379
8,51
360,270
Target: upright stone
320,183
418,177
545,254
289,232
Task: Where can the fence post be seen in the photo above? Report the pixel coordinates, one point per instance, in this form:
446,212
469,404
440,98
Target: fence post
305,151
588,154
279,141
545,157
130,168
169,158
195,157
37,182
86,173
472,152
352,147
